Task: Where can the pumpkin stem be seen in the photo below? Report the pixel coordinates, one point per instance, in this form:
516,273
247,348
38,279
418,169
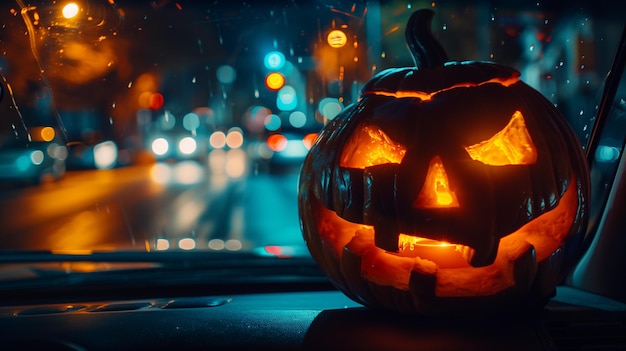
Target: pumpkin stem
426,50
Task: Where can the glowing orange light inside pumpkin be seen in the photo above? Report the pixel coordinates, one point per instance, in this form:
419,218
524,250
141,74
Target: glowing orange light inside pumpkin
444,254
510,146
545,234
370,146
436,190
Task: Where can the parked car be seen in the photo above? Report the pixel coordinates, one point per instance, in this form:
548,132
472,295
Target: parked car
100,155
178,146
33,161
284,150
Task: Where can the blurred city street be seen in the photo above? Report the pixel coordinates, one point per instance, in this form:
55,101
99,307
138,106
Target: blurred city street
187,205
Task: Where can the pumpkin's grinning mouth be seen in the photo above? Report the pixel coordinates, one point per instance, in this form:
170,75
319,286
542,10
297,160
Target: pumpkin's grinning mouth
441,252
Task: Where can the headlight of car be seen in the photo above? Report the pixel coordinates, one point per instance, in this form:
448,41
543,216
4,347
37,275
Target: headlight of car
187,146
105,155
160,146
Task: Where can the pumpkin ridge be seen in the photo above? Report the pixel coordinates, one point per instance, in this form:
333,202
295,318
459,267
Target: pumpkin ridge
432,80
426,96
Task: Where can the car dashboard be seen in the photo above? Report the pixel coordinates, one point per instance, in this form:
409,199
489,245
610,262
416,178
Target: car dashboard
315,319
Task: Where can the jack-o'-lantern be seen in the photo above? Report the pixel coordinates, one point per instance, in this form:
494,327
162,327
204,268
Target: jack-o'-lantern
447,187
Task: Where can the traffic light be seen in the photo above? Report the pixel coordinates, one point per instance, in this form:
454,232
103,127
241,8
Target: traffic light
274,60
274,80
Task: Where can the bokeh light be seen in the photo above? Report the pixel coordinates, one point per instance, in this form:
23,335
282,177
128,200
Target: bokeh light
234,138
162,244
226,74
191,121
217,140
105,155
70,10
287,99
272,122
274,81
309,140
297,119
337,38
274,60
187,145
187,244
155,101
167,121
160,146
330,107
276,142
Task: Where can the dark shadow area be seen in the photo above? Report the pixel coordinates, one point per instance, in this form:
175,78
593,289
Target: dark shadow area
559,326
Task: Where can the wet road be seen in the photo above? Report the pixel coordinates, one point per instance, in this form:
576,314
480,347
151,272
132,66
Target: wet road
220,205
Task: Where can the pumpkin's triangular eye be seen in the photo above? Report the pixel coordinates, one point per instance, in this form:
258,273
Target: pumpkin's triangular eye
510,146
370,146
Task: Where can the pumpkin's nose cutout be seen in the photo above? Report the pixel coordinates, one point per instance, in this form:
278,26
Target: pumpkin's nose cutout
436,191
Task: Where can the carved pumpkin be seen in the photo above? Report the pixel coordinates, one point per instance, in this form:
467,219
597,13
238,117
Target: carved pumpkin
446,188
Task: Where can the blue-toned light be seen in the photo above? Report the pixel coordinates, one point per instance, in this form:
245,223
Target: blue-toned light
274,60
272,122
23,163
606,153
287,99
167,121
226,74
191,121
330,107
297,119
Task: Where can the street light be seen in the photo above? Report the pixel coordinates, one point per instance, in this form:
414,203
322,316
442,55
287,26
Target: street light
274,81
70,10
337,38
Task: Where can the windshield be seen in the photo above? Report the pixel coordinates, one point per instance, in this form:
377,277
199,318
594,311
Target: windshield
181,126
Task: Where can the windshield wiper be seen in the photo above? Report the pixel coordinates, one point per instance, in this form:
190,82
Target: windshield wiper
33,256
44,274
127,261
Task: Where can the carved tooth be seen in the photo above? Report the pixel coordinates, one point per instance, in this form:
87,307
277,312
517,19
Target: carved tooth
386,238
467,253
